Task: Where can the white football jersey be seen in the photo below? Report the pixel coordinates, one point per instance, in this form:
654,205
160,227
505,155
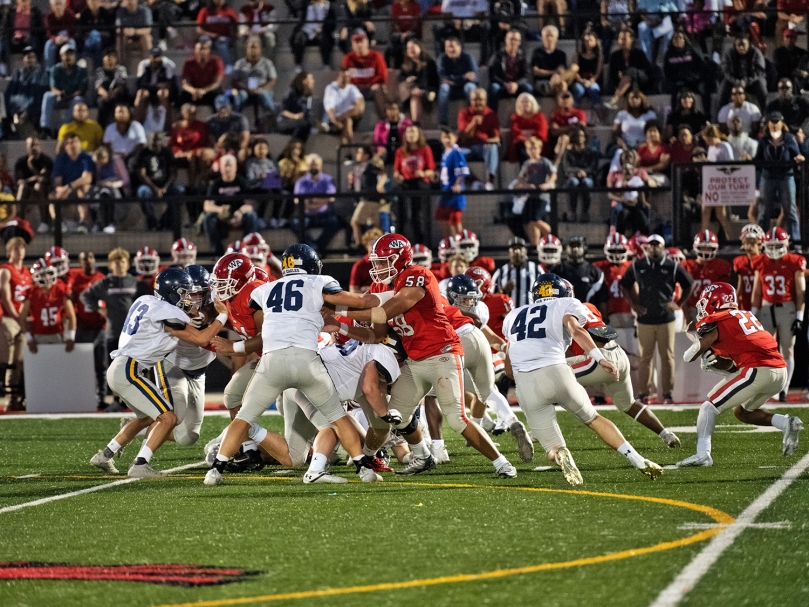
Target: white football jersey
144,336
291,307
190,357
536,335
345,363
482,310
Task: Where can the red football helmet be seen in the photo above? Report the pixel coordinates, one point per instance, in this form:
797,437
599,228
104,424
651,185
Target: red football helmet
260,274
254,239
44,273
674,254
256,254
482,279
776,242
616,249
422,256
468,245
390,255
230,275
752,230
637,245
446,249
59,259
550,250
715,297
147,261
706,245
234,247
184,252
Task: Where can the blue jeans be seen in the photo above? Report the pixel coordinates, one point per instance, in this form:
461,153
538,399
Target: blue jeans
583,184
145,193
330,224
448,92
646,38
489,153
593,92
49,107
241,97
94,47
51,54
781,191
217,230
497,91
223,48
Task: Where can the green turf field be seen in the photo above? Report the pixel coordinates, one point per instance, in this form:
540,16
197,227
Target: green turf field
456,536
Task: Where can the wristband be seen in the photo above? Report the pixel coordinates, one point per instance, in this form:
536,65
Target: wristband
799,315
69,335
29,337
343,329
340,310
222,318
596,355
238,347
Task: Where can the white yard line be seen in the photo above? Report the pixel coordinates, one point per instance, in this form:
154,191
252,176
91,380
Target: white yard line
688,578
123,481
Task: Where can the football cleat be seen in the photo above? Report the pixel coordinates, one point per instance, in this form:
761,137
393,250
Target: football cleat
569,469
499,427
506,471
417,466
790,443
379,465
441,456
651,469
210,454
696,460
213,477
368,476
142,471
99,461
322,477
672,440
524,444
246,461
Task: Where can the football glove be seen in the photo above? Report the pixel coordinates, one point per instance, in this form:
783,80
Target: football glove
394,418
707,362
797,326
197,322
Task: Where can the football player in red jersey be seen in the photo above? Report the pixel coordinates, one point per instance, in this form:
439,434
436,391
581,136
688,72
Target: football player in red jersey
499,304
15,282
414,309
59,258
706,269
422,256
614,267
446,249
549,253
758,370
751,236
147,265
468,245
779,290
42,312
183,253
261,256
589,373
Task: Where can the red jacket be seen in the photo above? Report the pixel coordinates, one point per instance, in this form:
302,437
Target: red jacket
538,126
488,129
367,70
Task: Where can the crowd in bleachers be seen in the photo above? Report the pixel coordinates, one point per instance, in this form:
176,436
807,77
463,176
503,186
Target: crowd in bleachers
734,84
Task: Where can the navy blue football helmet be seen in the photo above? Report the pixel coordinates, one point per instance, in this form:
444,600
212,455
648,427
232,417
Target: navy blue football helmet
201,279
300,259
174,286
550,286
463,293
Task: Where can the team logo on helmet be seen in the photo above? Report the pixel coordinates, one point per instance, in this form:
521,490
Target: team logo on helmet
234,264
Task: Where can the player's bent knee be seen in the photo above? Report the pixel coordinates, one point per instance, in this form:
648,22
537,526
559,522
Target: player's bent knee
410,427
457,423
168,417
185,438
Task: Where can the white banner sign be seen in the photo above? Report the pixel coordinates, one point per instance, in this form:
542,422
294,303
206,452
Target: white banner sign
60,382
728,185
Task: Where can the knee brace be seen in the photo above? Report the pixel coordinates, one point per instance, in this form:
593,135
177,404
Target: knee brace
411,426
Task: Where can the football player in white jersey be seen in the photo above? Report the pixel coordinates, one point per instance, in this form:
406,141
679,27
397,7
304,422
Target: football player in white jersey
152,329
539,334
292,324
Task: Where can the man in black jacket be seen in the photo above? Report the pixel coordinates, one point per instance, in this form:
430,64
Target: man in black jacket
587,280
508,71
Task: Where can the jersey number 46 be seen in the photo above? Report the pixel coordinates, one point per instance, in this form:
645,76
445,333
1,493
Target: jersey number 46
285,297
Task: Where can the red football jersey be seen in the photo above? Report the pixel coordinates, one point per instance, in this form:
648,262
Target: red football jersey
45,309
424,328
594,319
20,283
613,273
705,274
777,276
487,263
455,316
743,266
80,282
499,305
240,314
743,339
440,270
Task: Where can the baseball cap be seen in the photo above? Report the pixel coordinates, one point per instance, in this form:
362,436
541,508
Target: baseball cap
67,47
28,49
656,238
516,243
221,101
359,34
774,116
156,51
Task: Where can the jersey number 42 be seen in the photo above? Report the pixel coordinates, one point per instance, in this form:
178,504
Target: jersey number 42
528,323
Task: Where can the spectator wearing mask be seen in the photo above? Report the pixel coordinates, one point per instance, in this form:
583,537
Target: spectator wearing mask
316,190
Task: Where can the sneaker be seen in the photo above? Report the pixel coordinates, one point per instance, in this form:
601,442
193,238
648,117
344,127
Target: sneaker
696,460
417,466
110,229
379,465
245,461
524,444
142,471
99,461
671,439
489,186
667,399
368,476
569,469
790,443
213,477
651,469
322,477
441,456
506,471
42,228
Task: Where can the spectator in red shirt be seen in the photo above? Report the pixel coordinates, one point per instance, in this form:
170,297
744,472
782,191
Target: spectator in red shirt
360,280
479,135
413,170
219,22
202,75
683,145
368,70
526,122
60,23
654,155
405,24
188,142
562,119
790,13
258,20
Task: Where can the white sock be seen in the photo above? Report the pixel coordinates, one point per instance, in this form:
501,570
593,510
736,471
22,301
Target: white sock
145,453
420,450
142,432
499,403
706,422
114,446
256,434
500,461
222,458
438,445
780,421
318,463
628,451
790,370
249,445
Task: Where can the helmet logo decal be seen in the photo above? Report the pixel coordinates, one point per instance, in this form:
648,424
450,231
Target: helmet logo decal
545,290
234,264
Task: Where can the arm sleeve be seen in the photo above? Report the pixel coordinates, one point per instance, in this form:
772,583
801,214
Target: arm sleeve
629,277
